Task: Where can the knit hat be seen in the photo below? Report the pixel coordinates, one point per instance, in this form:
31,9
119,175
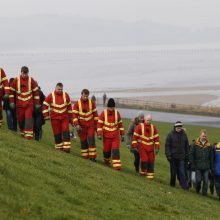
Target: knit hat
140,114
178,124
111,103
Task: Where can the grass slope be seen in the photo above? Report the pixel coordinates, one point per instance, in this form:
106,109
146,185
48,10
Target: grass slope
38,182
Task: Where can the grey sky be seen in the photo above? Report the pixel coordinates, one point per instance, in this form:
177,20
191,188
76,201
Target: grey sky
193,13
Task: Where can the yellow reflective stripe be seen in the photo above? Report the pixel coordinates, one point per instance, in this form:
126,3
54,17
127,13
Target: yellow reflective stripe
29,132
156,142
7,87
116,161
64,98
3,79
157,135
92,153
53,99
109,129
90,105
134,142
11,96
36,97
35,89
116,165
122,129
92,149
80,108
116,116
94,110
19,86
99,129
45,103
152,130
25,99
136,134
146,143
75,111
45,111
86,119
12,89
58,111
106,116
96,118
100,121
66,143
84,151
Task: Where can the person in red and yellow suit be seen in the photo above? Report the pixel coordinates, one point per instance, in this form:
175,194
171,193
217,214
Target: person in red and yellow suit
4,87
111,128
146,141
26,91
60,116
85,117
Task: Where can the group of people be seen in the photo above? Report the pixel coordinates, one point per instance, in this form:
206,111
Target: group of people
29,106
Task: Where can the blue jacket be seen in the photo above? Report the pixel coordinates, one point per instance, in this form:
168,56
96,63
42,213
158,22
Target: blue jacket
216,161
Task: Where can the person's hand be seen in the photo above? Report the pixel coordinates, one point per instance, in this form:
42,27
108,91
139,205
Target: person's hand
99,137
128,146
37,107
78,128
156,151
6,96
46,118
122,138
12,105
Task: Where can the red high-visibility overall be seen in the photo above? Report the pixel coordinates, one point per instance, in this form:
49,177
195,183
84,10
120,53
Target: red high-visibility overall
85,114
61,116
4,85
27,94
111,127
146,138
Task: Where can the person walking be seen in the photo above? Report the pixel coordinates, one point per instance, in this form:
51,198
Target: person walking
110,128
10,113
4,91
177,151
60,116
146,141
85,117
137,120
201,158
25,89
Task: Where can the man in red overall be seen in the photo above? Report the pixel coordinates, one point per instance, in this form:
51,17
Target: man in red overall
60,116
146,138
27,98
4,87
85,117
111,128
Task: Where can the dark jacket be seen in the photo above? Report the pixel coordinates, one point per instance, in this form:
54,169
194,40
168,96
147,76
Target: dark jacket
201,156
177,145
131,130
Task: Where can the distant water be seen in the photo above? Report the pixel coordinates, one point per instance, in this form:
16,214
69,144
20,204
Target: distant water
101,69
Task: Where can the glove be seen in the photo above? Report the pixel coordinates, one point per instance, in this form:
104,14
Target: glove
128,146
132,150
78,128
156,151
99,137
12,105
6,96
46,118
122,138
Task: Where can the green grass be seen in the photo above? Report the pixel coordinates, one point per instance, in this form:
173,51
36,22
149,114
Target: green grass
38,182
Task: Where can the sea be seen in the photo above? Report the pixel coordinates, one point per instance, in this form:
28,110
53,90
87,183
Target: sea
115,70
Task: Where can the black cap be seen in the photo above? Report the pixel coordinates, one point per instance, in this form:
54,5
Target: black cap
111,103
178,124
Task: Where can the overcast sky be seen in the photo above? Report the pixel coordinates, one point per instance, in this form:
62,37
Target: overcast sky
193,13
